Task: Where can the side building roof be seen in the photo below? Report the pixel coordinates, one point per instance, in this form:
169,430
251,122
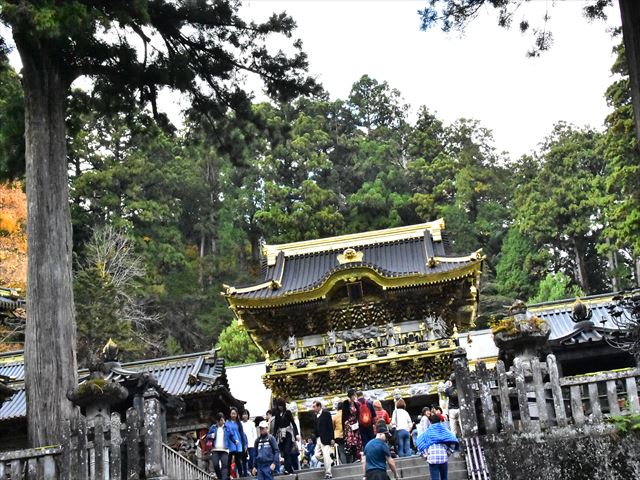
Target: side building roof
558,315
183,375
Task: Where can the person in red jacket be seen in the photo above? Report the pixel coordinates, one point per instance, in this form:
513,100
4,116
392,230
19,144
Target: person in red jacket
381,413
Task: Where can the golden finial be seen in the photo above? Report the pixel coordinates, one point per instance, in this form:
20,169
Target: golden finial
110,350
580,311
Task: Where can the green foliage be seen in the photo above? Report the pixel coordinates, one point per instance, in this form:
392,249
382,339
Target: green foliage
555,286
106,298
625,423
11,124
519,266
560,206
236,346
622,204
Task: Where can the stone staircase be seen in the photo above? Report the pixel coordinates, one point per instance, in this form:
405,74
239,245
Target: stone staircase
409,468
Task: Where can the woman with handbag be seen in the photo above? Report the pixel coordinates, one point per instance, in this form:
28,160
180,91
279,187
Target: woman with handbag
286,433
402,421
350,427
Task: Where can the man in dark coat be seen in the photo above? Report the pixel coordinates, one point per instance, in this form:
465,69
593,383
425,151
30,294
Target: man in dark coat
324,436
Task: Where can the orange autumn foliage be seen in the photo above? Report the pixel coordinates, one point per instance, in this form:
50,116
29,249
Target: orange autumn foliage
13,235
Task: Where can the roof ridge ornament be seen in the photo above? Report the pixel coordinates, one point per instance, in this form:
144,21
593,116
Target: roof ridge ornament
349,255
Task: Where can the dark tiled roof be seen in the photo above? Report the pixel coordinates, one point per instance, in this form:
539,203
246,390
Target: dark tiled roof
14,370
407,257
558,316
182,375
7,303
15,407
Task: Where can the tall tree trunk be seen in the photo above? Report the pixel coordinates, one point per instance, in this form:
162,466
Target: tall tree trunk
254,239
581,268
630,16
637,271
50,359
613,267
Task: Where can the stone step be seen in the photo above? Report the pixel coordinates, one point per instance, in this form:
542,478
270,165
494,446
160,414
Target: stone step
407,467
416,475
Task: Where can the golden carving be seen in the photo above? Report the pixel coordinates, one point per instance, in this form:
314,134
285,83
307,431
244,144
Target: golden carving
350,256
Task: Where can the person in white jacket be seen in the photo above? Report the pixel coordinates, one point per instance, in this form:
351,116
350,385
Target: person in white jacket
402,421
249,427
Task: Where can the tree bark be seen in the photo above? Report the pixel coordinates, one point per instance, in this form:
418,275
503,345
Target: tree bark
613,267
581,268
50,360
630,16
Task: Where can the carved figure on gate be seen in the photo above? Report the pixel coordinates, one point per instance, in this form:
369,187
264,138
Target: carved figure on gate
331,341
391,334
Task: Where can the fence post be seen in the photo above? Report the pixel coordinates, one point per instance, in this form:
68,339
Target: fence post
64,465
484,381
538,386
98,447
468,418
521,389
576,405
505,403
83,462
632,395
612,397
556,390
133,448
153,437
115,458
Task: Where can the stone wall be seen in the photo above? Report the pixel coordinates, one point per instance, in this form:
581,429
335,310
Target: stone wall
567,454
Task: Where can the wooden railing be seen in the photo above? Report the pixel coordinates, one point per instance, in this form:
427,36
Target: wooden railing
177,466
531,397
30,464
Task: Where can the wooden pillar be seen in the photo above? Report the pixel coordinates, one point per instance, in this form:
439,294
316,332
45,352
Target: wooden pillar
153,468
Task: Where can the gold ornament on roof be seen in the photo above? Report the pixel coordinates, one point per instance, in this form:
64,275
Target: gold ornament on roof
349,256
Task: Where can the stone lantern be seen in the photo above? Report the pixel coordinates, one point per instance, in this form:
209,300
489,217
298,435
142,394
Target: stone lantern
521,335
99,392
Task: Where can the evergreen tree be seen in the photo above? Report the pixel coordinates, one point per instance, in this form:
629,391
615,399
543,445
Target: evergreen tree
190,46
559,208
236,346
555,286
11,124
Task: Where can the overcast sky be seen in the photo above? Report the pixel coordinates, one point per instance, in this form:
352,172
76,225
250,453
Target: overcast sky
484,74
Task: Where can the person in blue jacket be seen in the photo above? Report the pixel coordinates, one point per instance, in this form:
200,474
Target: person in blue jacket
222,440
267,453
236,452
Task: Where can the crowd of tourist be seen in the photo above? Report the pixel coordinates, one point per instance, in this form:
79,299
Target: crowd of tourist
358,430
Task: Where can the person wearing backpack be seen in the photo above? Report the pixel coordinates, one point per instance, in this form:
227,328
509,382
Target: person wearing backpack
267,453
366,415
